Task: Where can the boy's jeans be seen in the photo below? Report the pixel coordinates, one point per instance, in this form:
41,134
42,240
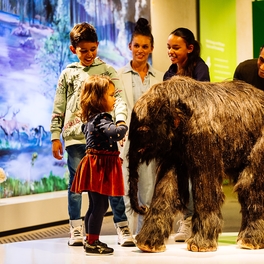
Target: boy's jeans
75,154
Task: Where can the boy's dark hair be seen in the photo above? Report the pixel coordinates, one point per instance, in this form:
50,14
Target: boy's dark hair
83,32
143,28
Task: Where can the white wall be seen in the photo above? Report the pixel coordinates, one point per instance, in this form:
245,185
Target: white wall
165,17
244,30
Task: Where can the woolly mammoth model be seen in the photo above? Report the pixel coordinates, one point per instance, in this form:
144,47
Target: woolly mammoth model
204,132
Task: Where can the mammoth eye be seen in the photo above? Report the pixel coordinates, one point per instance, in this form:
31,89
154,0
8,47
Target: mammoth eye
143,129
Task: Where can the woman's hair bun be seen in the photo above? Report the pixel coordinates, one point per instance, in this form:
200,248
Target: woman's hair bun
142,25
142,22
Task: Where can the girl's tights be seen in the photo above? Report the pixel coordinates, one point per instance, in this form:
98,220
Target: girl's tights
98,205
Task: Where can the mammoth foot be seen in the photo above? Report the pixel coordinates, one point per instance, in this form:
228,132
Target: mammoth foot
247,245
252,237
147,243
201,245
153,249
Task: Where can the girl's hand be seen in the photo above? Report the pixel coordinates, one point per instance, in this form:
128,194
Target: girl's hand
122,141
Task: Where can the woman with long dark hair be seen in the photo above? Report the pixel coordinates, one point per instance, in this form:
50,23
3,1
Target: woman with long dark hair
184,53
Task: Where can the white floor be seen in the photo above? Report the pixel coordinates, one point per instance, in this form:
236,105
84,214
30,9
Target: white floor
56,251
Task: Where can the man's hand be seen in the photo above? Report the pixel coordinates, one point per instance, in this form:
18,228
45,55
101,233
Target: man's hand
57,149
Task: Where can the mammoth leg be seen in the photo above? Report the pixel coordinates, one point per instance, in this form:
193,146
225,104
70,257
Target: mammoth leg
207,219
158,221
250,189
208,197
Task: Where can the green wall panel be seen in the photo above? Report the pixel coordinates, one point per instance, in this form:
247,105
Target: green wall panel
258,26
218,37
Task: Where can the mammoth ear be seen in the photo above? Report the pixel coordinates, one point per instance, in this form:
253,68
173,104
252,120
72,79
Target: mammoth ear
177,121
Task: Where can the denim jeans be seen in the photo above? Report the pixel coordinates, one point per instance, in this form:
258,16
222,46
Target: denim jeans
190,208
118,208
75,154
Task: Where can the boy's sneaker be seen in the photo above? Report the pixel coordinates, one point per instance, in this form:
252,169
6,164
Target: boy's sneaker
125,239
185,230
76,238
98,248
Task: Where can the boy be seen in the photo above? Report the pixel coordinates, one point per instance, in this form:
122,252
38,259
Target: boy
84,43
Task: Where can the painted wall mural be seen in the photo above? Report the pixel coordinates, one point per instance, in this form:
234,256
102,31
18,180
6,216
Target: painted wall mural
34,44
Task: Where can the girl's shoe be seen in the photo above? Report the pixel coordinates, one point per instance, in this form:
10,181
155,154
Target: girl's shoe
98,248
99,243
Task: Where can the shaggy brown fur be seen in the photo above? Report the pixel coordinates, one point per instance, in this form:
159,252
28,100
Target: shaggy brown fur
204,132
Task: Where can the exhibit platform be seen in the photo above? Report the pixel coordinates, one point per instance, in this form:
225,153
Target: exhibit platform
56,251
